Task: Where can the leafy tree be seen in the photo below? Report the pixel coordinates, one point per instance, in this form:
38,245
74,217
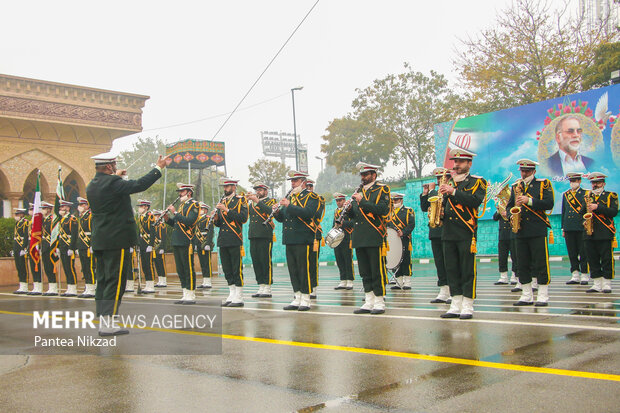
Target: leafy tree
271,173
606,60
535,52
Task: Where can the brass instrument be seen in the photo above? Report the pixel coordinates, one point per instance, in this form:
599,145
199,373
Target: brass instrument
500,194
588,224
435,210
515,211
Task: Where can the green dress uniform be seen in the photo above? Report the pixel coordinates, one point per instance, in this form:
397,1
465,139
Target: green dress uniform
506,244
343,252
316,247
230,237
434,235
113,233
184,224
160,239
573,204
203,241
49,257
368,238
533,252
261,239
403,218
460,225
599,245
68,225
81,239
146,243
298,233
20,248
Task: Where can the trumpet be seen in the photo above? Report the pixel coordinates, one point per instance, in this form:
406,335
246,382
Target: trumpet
435,211
161,217
515,212
588,224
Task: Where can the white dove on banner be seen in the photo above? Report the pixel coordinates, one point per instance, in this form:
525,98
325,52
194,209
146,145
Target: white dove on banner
601,113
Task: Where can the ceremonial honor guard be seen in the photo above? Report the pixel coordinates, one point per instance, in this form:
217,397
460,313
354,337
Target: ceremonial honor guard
67,227
81,239
231,215
160,260
462,196
370,209
343,252
204,244
184,223
261,238
35,270
529,199
318,240
573,206
296,212
114,232
506,244
20,249
402,219
434,234
146,243
49,254
601,238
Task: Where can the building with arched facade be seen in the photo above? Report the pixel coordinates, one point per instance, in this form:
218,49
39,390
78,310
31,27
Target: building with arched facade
44,125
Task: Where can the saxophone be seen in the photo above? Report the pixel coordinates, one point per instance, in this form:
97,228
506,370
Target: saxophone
435,210
515,211
588,225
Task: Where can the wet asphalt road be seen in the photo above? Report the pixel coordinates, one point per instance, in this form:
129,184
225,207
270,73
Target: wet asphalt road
577,333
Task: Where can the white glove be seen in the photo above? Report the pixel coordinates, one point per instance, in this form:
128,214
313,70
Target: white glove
77,253
57,252
12,253
70,253
90,249
130,250
161,252
207,248
149,249
22,253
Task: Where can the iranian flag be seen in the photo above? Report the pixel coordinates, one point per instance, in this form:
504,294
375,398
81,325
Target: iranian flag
60,194
36,226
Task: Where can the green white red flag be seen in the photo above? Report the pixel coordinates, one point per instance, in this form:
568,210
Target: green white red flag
36,225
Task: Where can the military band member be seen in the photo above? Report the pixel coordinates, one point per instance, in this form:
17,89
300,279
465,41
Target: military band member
434,235
146,243
49,254
67,226
160,256
232,213
204,244
402,219
506,245
261,238
35,268
573,204
343,252
318,240
114,232
20,249
184,223
370,209
600,245
81,239
534,197
297,212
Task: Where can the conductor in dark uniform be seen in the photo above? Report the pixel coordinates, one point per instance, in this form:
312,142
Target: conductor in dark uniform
297,214
114,232
533,197
204,244
370,210
462,196
343,252
600,245
82,244
573,205
20,249
402,219
260,234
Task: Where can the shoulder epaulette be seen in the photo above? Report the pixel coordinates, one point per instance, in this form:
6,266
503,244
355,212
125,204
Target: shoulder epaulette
476,176
613,195
313,195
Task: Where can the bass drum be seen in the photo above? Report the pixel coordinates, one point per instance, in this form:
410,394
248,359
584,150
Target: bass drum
395,254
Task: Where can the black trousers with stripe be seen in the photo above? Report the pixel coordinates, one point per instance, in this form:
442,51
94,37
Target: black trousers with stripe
20,265
600,257
49,265
314,264
440,265
68,266
35,270
505,247
533,257
88,266
298,262
260,251
405,265
372,269
344,260
576,251
204,257
160,267
146,258
230,257
460,266
111,271
184,260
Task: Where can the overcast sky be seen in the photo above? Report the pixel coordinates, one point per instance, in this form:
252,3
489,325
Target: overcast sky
197,59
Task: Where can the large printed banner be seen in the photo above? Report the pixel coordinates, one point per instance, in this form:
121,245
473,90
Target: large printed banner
198,153
574,133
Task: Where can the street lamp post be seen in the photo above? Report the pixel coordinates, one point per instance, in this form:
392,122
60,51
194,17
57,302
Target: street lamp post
295,126
320,159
